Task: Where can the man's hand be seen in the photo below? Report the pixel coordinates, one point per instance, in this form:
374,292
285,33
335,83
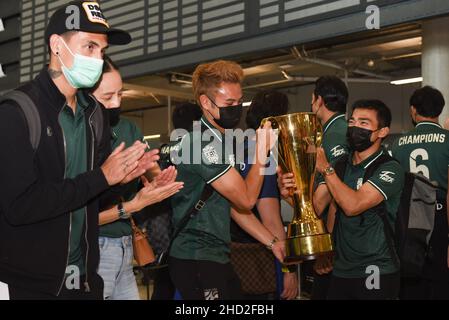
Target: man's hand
323,265
290,291
321,161
149,194
286,182
122,162
146,162
278,250
266,138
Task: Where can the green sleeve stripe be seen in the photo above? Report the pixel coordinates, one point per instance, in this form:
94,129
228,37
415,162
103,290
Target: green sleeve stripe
380,190
219,175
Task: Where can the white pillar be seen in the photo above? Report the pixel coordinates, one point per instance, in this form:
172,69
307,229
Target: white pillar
435,58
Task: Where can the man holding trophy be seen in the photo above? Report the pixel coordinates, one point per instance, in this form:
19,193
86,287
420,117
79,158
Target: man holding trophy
361,246
363,267
201,211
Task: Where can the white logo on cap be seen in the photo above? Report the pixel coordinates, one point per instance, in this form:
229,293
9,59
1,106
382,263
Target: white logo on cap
94,13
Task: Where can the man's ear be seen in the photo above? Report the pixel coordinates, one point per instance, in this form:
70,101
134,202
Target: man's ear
205,102
320,101
413,111
384,132
55,44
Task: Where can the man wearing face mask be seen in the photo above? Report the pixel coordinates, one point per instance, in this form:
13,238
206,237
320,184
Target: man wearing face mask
329,99
51,192
199,260
425,150
359,237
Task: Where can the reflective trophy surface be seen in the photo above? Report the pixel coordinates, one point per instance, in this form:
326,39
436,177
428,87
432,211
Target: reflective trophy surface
299,137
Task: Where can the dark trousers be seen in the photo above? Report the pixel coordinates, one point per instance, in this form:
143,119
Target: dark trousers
423,289
355,288
321,284
204,280
95,293
163,288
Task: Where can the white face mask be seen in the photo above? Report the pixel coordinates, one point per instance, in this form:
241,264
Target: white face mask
84,72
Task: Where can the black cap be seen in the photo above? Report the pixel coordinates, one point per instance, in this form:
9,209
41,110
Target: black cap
91,19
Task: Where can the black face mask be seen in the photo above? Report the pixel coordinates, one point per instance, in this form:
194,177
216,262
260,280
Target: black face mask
114,116
359,139
229,116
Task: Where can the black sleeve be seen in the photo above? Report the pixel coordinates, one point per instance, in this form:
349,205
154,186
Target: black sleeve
26,196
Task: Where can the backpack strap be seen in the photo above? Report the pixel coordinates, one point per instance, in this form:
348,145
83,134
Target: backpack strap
205,195
340,168
382,159
389,237
30,112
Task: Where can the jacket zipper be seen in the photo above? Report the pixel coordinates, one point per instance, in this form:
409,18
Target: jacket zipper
70,225
86,282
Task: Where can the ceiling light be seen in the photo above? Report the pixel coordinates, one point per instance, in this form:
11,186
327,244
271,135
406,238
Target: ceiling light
154,136
286,66
407,81
2,74
285,74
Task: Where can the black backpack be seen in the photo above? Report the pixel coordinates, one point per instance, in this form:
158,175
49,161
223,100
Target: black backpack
33,119
408,242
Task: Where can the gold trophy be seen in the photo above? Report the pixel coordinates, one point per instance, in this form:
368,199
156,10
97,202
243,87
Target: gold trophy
299,136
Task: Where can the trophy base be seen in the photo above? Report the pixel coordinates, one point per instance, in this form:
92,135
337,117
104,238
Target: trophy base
304,248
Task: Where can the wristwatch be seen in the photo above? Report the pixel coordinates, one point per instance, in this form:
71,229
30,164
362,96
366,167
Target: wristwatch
121,212
329,171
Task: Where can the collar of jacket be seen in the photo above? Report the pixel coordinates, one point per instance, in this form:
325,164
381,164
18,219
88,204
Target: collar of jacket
49,88
52,93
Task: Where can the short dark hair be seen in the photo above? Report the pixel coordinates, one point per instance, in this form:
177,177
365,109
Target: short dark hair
333,91
184,115
428,101
266,104
383,112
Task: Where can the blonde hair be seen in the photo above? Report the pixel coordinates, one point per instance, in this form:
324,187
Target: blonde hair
209,76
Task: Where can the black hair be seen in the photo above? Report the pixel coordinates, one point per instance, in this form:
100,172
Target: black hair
109,65
334,93
266,104
184,115
428,101
382,111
